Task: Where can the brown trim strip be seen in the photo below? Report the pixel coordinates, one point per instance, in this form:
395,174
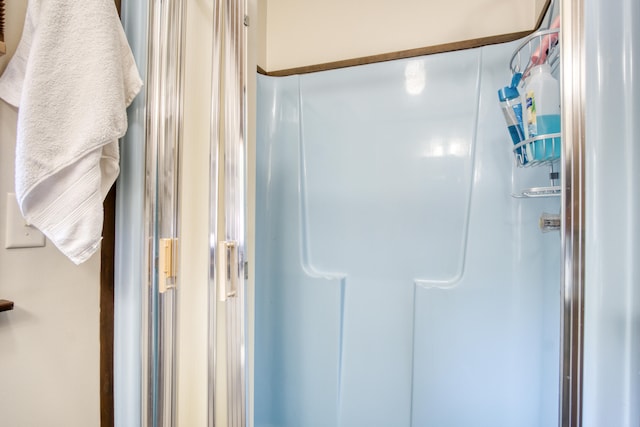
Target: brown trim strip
6,305
107,269
410,53
106,310
3,46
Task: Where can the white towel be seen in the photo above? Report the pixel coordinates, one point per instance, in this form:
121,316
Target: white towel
75,76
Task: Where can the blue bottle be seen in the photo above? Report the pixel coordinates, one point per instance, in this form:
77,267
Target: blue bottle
511,105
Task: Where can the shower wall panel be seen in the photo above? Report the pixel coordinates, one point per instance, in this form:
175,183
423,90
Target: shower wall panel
397,281
612,235
129,244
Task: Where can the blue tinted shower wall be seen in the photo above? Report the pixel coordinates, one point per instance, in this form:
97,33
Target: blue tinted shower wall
129,249
398,283
612,235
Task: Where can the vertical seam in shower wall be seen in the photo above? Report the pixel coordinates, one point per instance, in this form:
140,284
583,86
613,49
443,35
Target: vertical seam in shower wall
305,246
413,355
472,175
343,290
474,149
452,281
458,277
627,71
305,249
302,190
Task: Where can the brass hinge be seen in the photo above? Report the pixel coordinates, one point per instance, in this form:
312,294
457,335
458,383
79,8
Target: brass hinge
167,268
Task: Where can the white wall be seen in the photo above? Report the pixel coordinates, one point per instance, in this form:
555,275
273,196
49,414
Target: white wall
300,33
49,344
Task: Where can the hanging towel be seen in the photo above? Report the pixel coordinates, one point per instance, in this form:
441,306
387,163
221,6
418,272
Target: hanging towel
72,77
11,80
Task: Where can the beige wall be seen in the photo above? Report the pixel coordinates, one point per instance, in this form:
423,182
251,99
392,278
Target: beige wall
300,33
49,344
194,218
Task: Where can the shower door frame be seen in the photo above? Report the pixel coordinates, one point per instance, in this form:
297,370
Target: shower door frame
573,96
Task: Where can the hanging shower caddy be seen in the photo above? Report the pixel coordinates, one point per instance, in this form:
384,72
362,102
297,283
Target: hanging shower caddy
542,150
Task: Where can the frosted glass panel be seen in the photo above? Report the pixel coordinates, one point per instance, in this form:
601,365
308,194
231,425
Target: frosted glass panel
397,282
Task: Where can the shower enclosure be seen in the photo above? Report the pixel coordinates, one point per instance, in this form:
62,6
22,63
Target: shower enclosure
401,277
398,282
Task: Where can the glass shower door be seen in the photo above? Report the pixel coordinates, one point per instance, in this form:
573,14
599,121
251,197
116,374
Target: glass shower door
163,139
149,336
227,365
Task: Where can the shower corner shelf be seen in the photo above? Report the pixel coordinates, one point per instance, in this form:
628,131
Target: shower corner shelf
551,190
538,151
536,192
542,150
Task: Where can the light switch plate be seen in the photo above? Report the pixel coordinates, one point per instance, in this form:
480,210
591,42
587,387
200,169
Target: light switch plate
18,233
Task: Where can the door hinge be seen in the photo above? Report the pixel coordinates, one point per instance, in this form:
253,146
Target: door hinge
167,260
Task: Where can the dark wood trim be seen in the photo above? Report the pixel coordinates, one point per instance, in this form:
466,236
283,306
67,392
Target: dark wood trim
410,53
6,305
107,269
3,46
106,310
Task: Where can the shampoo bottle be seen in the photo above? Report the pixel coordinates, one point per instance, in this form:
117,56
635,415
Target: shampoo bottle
542,112
512,110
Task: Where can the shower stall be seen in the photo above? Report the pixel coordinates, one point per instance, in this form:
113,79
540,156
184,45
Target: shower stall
397,279
375,256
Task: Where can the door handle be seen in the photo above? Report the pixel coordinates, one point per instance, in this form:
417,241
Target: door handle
227,269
